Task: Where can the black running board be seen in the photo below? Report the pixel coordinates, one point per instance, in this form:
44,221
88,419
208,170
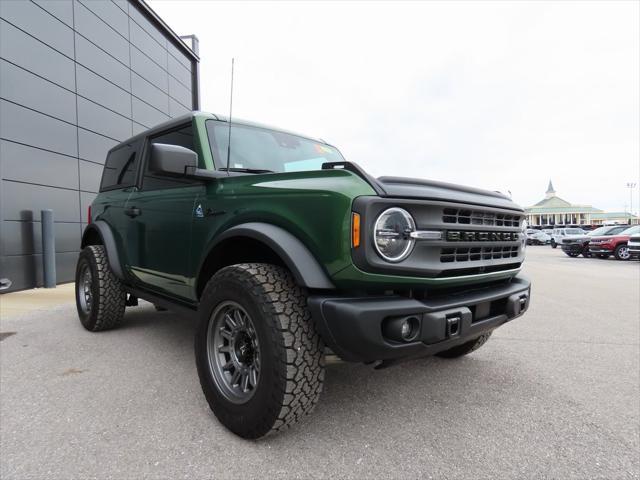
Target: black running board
181,308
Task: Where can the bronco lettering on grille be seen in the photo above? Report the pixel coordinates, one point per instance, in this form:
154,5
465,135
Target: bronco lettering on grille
467,236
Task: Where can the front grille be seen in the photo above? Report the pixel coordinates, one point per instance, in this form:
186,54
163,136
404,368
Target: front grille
468,254
480,217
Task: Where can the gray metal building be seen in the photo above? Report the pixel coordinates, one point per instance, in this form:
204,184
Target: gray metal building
76,77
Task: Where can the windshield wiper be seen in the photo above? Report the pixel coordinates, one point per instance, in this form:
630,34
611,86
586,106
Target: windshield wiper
246,170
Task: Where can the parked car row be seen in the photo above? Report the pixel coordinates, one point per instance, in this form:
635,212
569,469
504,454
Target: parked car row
621,241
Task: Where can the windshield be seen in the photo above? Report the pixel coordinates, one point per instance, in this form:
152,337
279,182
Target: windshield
255,148
605,231
574,231
599,231
631,231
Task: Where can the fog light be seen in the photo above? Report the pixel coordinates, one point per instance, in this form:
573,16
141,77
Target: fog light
401,329
406,329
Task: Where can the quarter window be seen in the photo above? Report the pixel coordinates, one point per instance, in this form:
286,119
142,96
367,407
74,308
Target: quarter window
120,168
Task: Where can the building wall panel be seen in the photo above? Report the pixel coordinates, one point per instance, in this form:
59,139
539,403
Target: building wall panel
25,88
76,77
103,92
27,164
36,56
37,22
61,9
23,125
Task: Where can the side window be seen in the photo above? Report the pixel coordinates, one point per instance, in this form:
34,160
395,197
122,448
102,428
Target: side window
183,137
120,168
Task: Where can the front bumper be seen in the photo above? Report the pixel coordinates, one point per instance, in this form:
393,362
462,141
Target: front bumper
598,250
353,326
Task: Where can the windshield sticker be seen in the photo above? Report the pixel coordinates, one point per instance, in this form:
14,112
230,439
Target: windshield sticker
322,148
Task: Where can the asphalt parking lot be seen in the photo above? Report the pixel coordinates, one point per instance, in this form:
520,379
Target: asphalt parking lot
554,394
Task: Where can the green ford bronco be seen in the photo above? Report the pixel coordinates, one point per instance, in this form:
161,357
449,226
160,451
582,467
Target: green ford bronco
286,252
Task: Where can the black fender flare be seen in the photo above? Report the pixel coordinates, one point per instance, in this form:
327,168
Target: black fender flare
102,229
299,260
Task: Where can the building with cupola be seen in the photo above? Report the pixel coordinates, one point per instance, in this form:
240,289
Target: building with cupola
553,210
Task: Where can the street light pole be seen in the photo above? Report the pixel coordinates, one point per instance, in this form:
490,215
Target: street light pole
631,186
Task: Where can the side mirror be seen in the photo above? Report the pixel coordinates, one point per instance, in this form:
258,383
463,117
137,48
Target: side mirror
172,159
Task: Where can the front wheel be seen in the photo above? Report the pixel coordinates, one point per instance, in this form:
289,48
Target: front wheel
259,357
553,244
100,296
572,254
622,252
465,348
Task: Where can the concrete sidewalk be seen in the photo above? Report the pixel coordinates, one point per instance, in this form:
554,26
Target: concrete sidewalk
38,299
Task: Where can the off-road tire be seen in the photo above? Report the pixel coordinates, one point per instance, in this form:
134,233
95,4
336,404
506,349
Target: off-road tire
618,252
465,348
291,351
108,293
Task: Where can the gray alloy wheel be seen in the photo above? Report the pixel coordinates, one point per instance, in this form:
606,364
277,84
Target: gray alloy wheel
622,252
83,290
233,352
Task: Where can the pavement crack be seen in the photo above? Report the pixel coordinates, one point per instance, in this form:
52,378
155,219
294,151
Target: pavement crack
71,371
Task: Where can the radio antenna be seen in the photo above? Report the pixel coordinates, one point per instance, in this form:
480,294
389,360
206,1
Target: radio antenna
230,113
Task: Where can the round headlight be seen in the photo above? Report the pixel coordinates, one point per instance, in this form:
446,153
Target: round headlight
392,234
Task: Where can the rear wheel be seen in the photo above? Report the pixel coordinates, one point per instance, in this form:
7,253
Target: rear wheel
622,252
259,357
100,296
465,348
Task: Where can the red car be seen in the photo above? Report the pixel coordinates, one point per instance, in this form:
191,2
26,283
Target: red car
615,245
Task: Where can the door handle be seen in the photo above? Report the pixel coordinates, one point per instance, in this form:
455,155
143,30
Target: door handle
132,211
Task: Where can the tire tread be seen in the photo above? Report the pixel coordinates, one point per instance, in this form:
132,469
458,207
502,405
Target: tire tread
111,296
283,305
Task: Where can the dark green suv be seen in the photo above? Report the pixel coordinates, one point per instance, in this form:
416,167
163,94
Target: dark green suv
285,252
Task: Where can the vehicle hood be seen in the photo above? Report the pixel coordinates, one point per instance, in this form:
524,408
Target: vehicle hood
610,237
399,187
578,237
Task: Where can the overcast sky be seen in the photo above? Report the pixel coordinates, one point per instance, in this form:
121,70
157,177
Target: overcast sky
501,95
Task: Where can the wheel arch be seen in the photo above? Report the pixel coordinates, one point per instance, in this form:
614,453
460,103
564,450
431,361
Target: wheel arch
266,243
99,233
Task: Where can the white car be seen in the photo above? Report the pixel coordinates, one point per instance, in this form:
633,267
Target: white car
537,237
560,233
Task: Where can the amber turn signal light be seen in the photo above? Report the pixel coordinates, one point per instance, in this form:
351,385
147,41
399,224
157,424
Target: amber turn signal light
355,230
